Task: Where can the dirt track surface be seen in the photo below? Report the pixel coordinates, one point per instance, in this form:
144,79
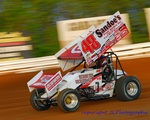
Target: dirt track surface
15,104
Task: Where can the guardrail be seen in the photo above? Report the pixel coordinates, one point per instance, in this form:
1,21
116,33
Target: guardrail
28,65
133,51
42,63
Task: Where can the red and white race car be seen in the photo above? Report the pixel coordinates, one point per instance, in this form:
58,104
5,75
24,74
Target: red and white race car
98,79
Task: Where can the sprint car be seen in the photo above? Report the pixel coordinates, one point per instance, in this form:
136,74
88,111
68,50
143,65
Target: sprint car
102,75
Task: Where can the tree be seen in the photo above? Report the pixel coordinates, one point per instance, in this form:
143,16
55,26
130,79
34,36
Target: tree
37,18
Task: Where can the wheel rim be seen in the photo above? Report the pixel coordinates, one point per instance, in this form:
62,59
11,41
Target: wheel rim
132,88
40,102
71,100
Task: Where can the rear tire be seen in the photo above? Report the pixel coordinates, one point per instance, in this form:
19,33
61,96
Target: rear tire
69,100
127,88
36,102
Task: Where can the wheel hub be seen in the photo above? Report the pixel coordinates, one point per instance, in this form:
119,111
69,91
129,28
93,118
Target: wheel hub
68,100
132,88
71,100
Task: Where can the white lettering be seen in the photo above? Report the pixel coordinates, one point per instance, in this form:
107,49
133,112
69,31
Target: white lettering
15,48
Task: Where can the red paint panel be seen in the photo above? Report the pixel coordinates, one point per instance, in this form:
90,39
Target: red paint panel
12,44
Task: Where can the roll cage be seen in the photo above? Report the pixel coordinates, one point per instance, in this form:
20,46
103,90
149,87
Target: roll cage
111,57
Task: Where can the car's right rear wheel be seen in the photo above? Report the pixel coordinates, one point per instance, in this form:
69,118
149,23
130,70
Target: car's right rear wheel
127,88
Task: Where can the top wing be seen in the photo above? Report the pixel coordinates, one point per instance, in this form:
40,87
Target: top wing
71,55
103,38
94,42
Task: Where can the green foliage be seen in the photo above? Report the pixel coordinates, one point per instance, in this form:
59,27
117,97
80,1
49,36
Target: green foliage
37,18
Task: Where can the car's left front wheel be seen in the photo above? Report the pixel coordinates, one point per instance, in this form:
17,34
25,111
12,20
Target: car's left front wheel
69,100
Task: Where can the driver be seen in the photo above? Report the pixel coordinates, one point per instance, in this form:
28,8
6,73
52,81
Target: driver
106,69
99,63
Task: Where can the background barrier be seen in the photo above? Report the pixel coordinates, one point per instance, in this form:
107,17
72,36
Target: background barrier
42,63
147,16
69,30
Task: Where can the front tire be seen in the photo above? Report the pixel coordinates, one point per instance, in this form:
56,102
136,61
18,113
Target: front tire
69,100
127,88
36,102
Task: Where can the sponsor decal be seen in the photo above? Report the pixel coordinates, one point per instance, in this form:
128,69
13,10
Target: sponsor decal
101,39
100,31
41,81
54,81
84,78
